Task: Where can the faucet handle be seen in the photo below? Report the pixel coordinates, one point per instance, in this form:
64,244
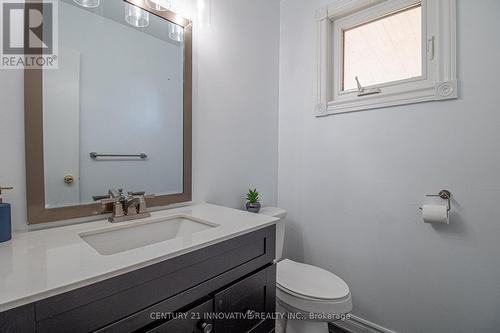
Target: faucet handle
143,208
114,197
136,194
117,204
116,193
100,197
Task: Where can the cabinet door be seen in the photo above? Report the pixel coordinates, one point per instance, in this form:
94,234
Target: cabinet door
247,304
196,320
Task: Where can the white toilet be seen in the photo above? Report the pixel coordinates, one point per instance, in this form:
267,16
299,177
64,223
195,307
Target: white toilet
306,291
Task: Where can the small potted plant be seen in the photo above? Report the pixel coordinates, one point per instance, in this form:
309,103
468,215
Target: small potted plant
253,201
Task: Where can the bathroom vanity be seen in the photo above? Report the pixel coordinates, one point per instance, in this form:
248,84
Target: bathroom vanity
218,279
117,114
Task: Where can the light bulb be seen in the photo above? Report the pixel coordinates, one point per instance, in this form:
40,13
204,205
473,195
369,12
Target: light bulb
176,32
136,16
88,3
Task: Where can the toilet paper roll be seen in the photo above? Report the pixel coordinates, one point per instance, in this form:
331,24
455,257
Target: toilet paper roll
435,214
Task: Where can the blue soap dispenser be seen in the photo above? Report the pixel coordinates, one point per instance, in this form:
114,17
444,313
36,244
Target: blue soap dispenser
5,222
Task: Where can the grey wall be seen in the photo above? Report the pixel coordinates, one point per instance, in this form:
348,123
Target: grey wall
353,183
235,109
235,128
12,162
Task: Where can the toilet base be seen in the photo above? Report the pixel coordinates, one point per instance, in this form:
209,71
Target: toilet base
286,325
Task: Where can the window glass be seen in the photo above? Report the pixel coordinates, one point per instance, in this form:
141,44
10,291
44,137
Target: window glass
384,50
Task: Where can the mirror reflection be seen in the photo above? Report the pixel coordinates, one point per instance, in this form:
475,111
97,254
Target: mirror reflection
113,111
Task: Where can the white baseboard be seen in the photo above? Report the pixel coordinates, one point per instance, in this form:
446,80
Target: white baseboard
359,325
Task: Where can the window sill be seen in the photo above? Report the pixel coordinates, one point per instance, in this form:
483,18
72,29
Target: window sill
442,91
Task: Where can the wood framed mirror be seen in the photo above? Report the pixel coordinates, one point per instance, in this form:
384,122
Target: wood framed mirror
125,88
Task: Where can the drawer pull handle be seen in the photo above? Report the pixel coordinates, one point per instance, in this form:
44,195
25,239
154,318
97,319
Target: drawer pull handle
206,327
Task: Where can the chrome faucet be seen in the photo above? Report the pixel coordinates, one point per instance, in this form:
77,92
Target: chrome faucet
125,208
135,203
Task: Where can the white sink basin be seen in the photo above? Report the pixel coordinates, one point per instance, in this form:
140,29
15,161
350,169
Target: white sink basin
131,236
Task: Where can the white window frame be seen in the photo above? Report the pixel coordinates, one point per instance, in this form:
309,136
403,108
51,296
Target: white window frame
439,74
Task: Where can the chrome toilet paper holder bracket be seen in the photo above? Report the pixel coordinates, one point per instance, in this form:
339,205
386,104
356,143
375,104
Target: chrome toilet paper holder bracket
443,194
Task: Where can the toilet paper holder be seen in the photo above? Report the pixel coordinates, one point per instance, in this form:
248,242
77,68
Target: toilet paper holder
443,194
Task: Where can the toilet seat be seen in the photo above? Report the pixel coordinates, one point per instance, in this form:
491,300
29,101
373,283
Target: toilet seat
310,281
311,289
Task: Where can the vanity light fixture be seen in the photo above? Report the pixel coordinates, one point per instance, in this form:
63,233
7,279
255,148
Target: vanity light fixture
88,3
159,5
136,16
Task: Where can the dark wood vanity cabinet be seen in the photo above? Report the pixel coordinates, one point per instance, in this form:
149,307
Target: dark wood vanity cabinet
195,320
228,287
250,298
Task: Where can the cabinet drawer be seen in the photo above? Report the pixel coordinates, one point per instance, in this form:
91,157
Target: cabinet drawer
244,305
196,320
21,319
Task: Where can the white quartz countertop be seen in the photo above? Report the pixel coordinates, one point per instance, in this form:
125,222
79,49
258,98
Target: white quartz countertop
40,264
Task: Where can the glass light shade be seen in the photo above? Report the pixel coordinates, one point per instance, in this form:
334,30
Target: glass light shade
176,32
159,5
135,16
88,3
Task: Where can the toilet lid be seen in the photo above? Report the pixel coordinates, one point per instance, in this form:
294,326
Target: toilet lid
310,281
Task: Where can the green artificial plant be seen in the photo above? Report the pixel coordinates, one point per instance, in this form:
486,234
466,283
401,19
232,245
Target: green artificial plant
253,196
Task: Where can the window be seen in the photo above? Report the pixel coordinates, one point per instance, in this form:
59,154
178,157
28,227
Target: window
379,53
385,50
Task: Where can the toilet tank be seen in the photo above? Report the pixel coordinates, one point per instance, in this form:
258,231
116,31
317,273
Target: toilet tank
280,227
